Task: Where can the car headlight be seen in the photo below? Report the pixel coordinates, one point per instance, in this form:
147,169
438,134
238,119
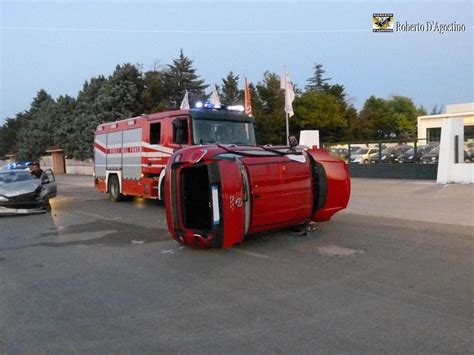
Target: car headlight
3,198
410,157
433,158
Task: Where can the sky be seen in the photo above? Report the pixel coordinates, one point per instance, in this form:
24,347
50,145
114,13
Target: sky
58,45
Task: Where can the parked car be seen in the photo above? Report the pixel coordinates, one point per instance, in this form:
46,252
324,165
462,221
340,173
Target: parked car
390,154
408,156
20,191
341,153
364,155
470,154
431,157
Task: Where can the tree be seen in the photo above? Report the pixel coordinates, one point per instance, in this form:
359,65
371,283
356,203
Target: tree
321,111
435,110
231,94
388,119
317,82
375,119
76,134
35,135
119,97
102,100
181,76
60,122
154,97
269,103
404,118
9,133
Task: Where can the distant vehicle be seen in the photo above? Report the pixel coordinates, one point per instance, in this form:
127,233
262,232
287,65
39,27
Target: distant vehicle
364,155
469,151
20,191
408,156
341,153
431,157
470,154
391,154
355,148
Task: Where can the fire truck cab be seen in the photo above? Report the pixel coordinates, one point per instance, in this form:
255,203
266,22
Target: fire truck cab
130,155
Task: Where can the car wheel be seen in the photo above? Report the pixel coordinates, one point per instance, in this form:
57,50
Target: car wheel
162,192
114,189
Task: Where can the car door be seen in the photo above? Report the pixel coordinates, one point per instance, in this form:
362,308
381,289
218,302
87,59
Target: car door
48,181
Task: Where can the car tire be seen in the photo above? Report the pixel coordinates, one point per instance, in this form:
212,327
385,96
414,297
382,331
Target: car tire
114,189
162,192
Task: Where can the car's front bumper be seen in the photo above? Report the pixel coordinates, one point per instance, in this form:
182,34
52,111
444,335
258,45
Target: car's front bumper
6,211
30,200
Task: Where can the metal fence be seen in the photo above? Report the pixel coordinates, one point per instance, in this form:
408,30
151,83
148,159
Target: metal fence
410,159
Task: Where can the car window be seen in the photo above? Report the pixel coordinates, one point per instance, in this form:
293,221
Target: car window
9,177
47,176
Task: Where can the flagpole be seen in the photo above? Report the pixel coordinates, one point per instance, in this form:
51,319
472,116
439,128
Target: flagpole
287,129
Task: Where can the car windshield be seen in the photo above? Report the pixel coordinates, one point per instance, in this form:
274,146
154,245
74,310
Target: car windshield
8,177
435,150
362,151
225,132
410,151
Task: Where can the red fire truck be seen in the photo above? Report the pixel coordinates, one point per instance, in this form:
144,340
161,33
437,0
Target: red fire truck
218,194
130,155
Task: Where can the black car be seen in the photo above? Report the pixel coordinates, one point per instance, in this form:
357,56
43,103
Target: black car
431,157
408,156
390,154
21,192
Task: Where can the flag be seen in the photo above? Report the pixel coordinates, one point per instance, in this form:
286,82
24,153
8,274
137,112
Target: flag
185,103
285,84
283,80
248,102
215,97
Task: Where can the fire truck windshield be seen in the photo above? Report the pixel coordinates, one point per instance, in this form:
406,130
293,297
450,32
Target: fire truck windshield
225,132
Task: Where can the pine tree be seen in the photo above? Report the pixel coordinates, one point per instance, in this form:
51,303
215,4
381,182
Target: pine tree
181,76
35,135
317,82
231,95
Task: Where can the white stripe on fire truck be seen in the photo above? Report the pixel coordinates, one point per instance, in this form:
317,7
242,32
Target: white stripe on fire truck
119,148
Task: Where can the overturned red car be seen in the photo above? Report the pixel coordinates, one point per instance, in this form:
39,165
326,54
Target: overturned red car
216,195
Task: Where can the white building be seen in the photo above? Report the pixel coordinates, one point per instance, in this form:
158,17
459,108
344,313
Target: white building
429,127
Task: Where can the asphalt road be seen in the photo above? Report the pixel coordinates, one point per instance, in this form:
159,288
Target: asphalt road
95,276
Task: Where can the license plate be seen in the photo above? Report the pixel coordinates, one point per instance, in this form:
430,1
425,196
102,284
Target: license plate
215,205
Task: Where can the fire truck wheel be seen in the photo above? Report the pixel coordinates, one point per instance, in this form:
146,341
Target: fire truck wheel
114,189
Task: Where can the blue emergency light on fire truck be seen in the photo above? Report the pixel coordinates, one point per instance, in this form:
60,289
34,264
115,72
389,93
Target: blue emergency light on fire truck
130,155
